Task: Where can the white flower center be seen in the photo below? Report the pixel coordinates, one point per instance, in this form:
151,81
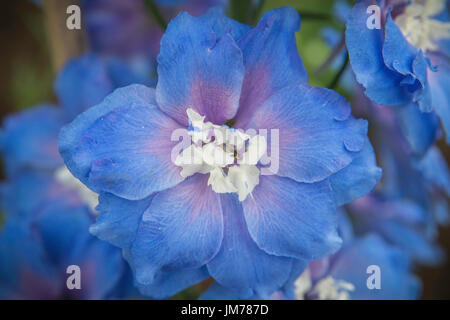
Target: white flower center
228,155
327,288
418,26
89,197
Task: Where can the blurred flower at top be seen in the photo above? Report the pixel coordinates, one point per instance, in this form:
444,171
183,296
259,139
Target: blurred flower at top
180,223
48,211
404,63
346,274
127,29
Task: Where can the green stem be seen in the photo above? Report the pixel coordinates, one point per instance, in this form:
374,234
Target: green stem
154,11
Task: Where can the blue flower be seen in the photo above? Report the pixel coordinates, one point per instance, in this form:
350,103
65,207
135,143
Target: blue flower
403,64
46,231
229,217
410,203
401,222
344,275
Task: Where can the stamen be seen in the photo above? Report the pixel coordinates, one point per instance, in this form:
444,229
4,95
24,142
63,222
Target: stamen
228,155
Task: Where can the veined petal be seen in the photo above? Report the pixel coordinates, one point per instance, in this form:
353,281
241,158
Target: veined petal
182,228
317,135
293,219
122,146
198,70
271,60
26,142
240,265
358,178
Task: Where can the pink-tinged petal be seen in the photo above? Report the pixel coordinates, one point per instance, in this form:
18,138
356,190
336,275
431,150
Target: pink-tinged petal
198,69
183,228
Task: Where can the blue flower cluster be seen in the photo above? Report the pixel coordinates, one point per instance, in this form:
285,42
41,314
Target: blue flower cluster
202,153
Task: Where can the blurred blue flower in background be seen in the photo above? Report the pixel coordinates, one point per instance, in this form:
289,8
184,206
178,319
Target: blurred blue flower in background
405,63
300,209
344,275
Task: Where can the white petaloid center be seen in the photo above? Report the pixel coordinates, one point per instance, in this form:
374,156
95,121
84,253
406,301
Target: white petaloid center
327,288
419,27
89,197
228,155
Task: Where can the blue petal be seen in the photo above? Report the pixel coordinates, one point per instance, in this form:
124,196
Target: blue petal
183,228
86,81
271,60
416,243
122,146
420,129
199,70
440,94
293,219
119,219
317,134
218,292
24,273
288,290
402,223
364,46
358,178
221,24
402,57
29,139
240,265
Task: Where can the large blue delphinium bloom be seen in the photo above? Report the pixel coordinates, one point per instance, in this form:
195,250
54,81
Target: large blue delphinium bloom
45,234
125,29
181,223
404,63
